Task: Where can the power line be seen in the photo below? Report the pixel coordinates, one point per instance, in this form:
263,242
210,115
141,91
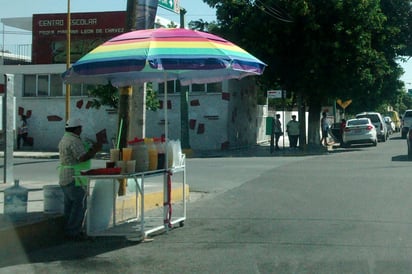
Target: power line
274,12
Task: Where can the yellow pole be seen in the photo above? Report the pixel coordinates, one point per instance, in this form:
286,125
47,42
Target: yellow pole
68,61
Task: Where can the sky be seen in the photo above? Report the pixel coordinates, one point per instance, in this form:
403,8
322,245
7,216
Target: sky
196,9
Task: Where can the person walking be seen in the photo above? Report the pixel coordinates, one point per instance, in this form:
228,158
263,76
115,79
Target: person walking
342,129
325,128
292,128
272,134
22,131
277,128
74,156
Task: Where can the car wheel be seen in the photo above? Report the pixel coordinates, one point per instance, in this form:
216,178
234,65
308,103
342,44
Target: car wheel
403,135
409,154
375,143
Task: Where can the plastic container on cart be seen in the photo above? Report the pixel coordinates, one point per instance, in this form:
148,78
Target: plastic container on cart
15,201
174,151
140,153
152,149
161,152
53,199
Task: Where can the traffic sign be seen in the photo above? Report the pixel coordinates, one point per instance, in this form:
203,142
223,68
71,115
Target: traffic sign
172,5
343,104
273,94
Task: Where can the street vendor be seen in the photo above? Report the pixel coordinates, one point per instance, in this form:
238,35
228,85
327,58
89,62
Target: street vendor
74,156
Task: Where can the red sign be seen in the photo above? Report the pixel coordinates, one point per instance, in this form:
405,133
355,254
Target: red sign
88,30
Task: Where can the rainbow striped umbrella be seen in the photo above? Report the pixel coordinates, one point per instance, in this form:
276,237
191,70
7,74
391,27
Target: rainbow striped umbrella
158,55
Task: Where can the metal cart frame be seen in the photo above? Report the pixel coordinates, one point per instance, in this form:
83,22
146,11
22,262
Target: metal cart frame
137,229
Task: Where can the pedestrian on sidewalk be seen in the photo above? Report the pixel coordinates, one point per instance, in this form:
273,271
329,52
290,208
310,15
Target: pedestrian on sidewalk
342,129
324,123
292,128
277,128
22,131
74,156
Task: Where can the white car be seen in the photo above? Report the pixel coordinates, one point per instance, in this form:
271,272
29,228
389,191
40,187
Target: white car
359,131
377,120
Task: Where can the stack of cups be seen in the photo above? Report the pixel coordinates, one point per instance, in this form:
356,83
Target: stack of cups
114,157
128,165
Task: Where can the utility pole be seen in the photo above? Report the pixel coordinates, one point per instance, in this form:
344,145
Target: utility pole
184,101
8,117
68,59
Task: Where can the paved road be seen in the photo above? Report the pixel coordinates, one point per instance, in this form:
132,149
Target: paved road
344,212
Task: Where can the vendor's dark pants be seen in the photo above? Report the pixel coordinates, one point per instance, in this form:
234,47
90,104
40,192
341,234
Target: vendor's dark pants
21,137
74,208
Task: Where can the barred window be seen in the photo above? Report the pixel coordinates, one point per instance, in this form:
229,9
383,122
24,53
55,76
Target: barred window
42,85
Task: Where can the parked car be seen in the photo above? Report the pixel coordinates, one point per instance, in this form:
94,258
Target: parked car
359,131
406,122
389,124
377,120
409,143
336,132
395,119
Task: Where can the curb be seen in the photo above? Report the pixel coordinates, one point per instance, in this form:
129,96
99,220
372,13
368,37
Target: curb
38,230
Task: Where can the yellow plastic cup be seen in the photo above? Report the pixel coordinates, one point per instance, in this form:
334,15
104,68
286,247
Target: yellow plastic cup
127,153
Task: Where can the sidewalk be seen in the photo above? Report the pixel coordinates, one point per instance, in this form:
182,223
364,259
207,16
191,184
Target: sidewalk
38,229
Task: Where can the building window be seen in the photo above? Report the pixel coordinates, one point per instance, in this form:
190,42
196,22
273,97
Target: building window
211,87
214,87
56,85
30,86
198,88
171,87
42,85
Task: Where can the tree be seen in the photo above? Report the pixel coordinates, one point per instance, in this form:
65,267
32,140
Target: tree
108,95
321,50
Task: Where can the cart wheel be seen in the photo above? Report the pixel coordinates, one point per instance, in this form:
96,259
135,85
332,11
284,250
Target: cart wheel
182,224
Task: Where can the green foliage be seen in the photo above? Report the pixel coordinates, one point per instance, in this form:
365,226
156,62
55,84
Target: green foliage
104,95
152,102
324,49
171,25
203,25
108,95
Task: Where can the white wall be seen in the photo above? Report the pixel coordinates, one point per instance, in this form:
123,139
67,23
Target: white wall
231,117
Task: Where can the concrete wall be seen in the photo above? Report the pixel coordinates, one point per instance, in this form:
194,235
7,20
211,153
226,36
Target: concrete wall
216,120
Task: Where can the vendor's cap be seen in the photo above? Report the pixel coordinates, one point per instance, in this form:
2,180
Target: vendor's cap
74,122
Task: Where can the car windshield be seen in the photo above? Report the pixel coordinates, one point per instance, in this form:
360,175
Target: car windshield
373,118
357,122
408,114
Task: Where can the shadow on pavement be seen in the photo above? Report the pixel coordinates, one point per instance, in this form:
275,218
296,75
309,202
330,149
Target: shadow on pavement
66,251
400,158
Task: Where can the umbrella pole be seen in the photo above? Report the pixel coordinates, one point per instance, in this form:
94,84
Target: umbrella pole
166,202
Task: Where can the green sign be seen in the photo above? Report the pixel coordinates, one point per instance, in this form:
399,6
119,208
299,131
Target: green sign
172,5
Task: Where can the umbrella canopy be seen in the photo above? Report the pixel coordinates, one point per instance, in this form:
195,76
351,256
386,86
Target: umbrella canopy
158,55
